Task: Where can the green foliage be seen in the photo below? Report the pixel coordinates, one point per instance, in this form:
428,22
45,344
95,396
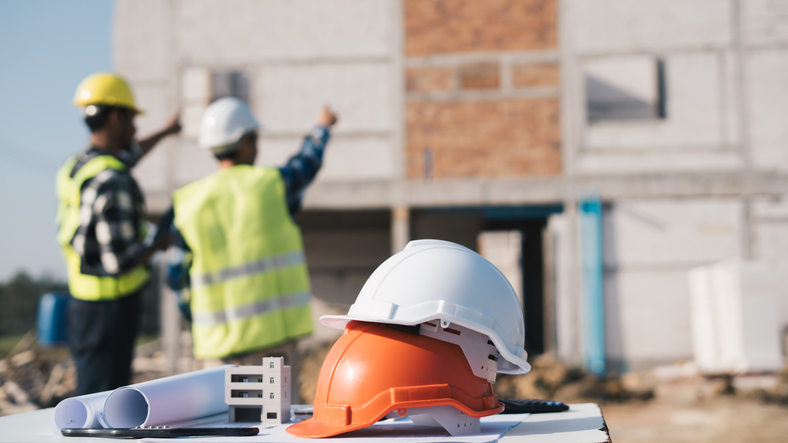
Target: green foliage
19,302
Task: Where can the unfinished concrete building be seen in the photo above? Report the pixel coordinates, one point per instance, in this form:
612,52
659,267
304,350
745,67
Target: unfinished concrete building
600,149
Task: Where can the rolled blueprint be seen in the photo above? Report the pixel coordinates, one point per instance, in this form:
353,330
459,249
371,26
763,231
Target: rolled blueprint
156,402
167,400
79,412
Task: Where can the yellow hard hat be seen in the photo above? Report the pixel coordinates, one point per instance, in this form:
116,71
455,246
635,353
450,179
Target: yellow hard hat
105,89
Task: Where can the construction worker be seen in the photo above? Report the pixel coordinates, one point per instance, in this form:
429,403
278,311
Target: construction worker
250,289
101,218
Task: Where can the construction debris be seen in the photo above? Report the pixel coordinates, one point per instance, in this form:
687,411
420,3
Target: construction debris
777,394
552,380
32,378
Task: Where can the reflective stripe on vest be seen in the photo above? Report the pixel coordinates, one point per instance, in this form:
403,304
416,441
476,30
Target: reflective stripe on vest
250,285
263,265
246,311
69,191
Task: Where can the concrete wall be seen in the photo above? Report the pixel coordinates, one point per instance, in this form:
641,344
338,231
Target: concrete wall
694,39
764,27
296,55
725,71
650,245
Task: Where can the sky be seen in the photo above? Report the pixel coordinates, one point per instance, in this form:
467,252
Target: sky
46,48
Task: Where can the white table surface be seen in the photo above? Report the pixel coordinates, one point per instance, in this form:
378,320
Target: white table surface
583,423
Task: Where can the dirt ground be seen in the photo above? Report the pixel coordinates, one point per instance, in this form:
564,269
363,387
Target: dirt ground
673,404
724,419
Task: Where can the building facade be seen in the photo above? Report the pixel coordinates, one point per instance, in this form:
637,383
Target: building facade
462,118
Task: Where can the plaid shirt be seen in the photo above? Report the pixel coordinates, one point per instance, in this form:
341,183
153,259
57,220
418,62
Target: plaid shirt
112,209
297,173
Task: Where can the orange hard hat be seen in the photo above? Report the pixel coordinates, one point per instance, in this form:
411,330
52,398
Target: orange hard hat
374,369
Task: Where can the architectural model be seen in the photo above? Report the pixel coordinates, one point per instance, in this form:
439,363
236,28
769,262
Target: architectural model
259,393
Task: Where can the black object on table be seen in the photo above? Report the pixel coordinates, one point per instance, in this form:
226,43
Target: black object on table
532,406
161,432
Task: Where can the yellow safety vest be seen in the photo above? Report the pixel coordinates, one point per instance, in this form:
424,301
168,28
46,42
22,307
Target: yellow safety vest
249,280
69,192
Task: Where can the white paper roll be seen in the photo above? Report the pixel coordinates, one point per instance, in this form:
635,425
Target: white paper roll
156,402
167,400
79,412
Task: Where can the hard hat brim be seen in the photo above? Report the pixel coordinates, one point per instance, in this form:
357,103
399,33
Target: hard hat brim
135,110
310,428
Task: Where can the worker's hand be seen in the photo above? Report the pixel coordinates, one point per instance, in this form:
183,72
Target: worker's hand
161,244
327,117
174,125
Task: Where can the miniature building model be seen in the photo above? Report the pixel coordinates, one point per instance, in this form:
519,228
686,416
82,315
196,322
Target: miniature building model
259,393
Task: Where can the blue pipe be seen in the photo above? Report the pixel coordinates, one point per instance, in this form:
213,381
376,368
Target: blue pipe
592,284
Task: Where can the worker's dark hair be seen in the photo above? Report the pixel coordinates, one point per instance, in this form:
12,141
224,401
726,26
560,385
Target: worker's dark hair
96,116
231,151
230,154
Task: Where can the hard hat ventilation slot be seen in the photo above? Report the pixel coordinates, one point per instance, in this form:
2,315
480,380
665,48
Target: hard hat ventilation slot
406,328
452,331
482,357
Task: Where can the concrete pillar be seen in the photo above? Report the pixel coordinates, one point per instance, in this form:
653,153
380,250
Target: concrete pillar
568,333
400,228
549,301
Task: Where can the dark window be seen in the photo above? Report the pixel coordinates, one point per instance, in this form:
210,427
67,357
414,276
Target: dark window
230,83
250,414
625,88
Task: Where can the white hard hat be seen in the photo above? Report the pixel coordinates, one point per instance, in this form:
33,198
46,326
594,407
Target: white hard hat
438,280
224,122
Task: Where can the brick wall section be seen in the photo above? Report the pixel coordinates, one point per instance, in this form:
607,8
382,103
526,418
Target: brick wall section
481,128
480,76
495,138
445,26
429,79
535,75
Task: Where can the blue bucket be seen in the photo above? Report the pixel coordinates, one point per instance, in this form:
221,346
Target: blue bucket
51,321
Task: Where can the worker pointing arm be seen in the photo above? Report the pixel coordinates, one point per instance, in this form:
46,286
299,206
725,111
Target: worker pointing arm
301,169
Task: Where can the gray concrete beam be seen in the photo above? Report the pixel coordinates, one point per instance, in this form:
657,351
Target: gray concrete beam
386,194
379,194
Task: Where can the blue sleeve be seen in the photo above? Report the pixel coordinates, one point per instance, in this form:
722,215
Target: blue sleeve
301,169
179,261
